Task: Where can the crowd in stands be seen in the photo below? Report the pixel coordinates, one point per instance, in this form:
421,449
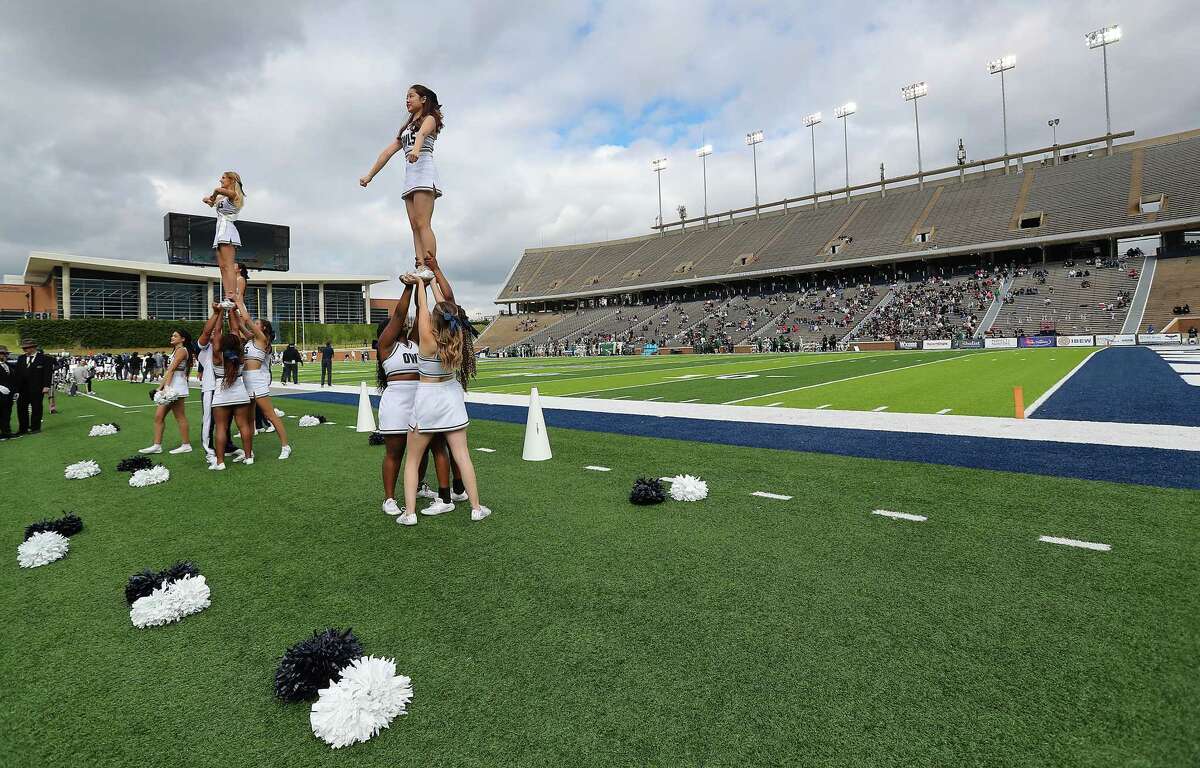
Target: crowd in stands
937,308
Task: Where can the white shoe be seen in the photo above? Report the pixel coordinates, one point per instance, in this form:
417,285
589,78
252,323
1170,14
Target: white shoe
210,458
479,514
268,428
425,273
458,496
248,460
217,467
256,430
227,304
156,448
239,456
425,492
406,517
391,507
437,508
285,452
185,448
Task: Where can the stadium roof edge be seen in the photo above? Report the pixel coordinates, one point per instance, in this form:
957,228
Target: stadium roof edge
39,265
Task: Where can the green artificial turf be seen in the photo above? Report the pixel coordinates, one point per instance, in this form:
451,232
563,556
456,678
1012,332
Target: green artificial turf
573,628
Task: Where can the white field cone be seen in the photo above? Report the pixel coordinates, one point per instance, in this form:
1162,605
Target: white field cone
537,442
366,416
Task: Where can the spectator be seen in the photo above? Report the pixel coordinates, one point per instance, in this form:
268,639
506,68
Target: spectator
291,364
8,392
327,363
34,374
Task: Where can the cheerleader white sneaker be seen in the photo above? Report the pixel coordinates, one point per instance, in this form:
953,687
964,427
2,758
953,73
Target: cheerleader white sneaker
227,304
406,517
248,460
268,428
391,507
239,456
185,448
156,448
216,467
479,514
425,492
437,508
424,273
285,452
458,496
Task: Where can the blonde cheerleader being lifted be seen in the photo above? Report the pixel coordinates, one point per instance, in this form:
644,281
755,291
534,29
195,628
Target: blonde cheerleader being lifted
228,199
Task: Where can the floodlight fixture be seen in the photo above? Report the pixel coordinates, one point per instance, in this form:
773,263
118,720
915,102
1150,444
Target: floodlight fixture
999,67
754,137
847,109
1103,36
1002,64
812,119
843,113
704,151
658,165
914,91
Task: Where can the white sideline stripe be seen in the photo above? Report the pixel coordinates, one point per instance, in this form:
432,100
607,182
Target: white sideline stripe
880,408
1185,367
899,515
766,495
598,469
1076,543
1163,436
620,397
944,411
110,402
839,381
822,407
1049,392
1192,379
772,405
486,450
86,416
351,427
652,399
694,399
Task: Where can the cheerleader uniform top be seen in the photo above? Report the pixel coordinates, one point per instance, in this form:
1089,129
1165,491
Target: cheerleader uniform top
226,210
400,363
408,135
432,367
254,353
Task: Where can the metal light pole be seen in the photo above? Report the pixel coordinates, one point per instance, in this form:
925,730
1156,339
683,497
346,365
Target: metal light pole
1102,38
810,122
1053,123
754,138
912,93
658,166
1000,66
843,113
703,154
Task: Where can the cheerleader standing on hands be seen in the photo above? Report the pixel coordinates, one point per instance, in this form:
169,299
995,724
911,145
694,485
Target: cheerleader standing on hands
446,364
228,199
421,186
256,374
174,380
396,373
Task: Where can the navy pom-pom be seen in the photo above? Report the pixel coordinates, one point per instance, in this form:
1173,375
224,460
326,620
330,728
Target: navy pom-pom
311,664
321,419
134,463
146,581
68,525
178,571
376,438
647,490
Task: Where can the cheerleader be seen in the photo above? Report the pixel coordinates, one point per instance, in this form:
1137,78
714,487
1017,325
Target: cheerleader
208,381
396,373
175,385
445,363
421,186
256,371
230,399
228,199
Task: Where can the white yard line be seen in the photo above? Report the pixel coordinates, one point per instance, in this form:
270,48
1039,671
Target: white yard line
899,515
772,405
944,411
652,399
880,408
839,381
1046,395
598,469
86,416
823,407
109,402
486,450
1076,543
694,399
765,495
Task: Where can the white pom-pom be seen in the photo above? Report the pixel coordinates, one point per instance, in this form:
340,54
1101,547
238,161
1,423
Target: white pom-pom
170,603
688,488
100,430
153,476
280,413
41,548
81,469
309,421
166,396
366,699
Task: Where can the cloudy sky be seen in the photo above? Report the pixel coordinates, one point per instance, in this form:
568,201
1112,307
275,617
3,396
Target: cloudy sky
115,112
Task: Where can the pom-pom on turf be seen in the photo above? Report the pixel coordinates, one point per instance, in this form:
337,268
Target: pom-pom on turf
647,490
367,698
42,548
153,476
688,488
68,525
146,581
177,571
134,463
309,421
321,419
81,469
314,663
100,430
375,438
171,602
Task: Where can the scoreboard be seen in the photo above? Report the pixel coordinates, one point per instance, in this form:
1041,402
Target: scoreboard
189,241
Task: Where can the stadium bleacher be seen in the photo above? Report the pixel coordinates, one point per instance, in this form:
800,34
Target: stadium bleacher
1069,298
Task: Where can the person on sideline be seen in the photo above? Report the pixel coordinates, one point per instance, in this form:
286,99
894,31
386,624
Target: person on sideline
327,363
175,379
34,373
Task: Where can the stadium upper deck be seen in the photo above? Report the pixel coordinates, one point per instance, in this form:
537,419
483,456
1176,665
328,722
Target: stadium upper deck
1144,187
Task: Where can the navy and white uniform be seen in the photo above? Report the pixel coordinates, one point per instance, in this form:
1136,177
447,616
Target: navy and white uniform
258,382
422,175
179,383
396,404
226,231
208,384
439,406
232,395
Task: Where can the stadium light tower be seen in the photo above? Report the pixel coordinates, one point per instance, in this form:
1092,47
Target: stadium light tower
703,154
810,122
912,93
1053,123
753,139
999,67
843,113
1102,38
658,166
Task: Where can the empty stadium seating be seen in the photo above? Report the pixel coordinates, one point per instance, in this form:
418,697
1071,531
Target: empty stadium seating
1176,283
1063,303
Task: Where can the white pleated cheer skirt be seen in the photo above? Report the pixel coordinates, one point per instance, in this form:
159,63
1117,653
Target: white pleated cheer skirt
421,176
179,383
233,395
396,407
439,407
226,233
258,383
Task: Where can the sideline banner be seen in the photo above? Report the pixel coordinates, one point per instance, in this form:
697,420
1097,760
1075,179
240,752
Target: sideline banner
650,349
968,344
1115,340
1035,341
1160,338
1076,341
935,344
990,343
908,345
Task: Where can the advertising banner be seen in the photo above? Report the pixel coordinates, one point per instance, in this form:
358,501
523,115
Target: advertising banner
1000,343
968,344
1160,338
935,344
1076,341
650,349
1115,340
1036,341
908,345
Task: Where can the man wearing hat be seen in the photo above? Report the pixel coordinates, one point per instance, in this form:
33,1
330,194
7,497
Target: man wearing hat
33,383
8,392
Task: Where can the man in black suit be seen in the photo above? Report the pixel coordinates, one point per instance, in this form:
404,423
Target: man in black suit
8,392
34,373
291,364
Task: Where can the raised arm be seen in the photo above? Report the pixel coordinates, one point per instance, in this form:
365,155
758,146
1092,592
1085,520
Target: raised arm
211,200
424,325
395,327
213,322
440,277
382,160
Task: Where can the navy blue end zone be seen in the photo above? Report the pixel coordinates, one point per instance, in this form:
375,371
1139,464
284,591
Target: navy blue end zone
1132,385
1118,464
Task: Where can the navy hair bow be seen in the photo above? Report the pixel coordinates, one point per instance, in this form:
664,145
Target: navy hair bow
231,354
452,320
